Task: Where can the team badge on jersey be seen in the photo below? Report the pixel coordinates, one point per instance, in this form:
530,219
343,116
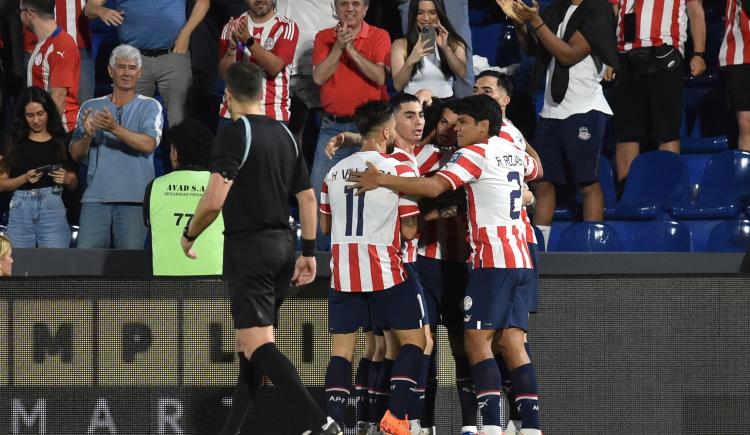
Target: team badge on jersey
468,303
38,59
270,42
583,133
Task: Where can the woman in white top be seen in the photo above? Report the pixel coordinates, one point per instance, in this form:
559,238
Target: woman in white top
419,64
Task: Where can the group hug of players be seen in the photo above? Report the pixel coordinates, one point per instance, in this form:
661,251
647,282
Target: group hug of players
429,228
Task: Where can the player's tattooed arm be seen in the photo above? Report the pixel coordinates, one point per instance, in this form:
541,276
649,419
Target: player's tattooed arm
343,140
409,227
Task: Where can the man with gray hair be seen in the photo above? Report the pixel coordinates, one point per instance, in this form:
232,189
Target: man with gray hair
115,137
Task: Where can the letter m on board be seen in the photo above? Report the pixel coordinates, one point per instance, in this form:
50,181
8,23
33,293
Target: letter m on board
59,342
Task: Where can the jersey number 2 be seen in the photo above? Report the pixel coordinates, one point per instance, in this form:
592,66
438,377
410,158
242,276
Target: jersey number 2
350,198
515,194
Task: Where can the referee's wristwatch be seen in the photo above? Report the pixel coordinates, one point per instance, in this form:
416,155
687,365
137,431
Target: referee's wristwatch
186,236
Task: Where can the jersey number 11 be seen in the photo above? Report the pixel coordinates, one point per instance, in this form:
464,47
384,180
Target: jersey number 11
350,198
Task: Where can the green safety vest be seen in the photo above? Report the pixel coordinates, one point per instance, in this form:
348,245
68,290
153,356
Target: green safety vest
173,200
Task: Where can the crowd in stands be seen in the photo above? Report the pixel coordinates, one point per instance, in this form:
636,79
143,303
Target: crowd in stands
610,79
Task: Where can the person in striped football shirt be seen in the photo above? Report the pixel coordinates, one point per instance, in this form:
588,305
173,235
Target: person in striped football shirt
490,167
263,37
734,57
366,233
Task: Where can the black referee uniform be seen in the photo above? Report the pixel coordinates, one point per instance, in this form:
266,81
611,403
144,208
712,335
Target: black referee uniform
258,244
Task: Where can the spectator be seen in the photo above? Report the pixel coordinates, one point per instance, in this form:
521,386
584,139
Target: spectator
311,17
574,40
734,56
115,137
458,11
6,256
70,17
167,209
267,39
54,64
421,64
160,30
349,65
36,167
647,97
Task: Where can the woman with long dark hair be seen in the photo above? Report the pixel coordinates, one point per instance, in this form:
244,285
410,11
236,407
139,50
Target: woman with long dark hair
419,63
36,167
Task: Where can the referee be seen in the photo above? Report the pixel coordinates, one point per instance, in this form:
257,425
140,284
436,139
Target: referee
256,166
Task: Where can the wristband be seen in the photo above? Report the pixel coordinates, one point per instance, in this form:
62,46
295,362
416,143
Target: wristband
700,54
186,236
250,41
308,248
538,27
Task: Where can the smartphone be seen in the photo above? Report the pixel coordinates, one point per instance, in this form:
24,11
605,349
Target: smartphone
46,169
428,34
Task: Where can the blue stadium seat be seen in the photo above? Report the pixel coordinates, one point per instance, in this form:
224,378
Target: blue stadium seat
700,113
730,236
588,237
606,180
539,238
497,42
696,164
724,191
657,181
663,236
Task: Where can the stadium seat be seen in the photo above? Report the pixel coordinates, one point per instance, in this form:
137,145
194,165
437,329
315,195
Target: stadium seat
724,190
588,237
657,181
730,236
497,42
696,164
703,121
663,236
539,238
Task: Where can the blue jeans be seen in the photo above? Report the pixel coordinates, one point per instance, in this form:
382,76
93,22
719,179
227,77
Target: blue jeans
322,164
458,11
37,219
99,222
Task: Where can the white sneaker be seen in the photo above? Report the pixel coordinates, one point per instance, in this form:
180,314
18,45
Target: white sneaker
428,431
469,430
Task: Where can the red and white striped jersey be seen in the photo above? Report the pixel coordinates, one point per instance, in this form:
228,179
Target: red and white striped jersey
492,173
735,48
441,239
409,248
279,36
520,142
56,63
70,17
366,228
658,22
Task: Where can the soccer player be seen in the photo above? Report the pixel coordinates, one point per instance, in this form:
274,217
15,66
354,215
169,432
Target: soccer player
490,167
366,232
499,87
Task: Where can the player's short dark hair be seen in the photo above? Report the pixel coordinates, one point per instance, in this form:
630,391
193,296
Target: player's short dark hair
244,80
192,140
44,8
402,98
371,115
482,107
503,80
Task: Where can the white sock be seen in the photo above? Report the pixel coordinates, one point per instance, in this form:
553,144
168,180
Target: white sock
415,427
469,429
492,430
546,230
531,432
514,427
428,431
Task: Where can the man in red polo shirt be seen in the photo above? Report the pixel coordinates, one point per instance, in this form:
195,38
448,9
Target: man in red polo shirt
55,62
350,64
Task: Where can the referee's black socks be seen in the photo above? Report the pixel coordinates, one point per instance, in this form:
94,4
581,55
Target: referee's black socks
248,384
284,376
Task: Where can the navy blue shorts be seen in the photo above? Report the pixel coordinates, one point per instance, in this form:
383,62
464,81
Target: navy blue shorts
496,299
347,312
416,280
400,307
444,285
533,291
569,148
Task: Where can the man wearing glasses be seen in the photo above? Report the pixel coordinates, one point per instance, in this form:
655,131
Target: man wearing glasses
55,62
115,137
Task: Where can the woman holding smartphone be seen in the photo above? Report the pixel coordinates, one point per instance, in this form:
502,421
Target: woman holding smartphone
36,167
431,55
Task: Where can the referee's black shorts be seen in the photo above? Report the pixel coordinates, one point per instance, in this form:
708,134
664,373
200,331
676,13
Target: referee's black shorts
259,269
